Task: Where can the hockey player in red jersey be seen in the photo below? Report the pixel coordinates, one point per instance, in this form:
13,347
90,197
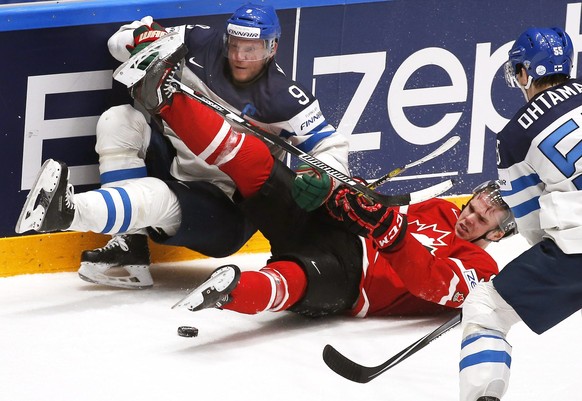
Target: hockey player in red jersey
439,259
435,258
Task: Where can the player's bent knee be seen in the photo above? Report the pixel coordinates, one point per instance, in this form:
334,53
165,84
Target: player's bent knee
122,128
485,308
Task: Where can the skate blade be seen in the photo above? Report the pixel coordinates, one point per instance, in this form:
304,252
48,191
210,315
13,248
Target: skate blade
129,72
187,301
91,274
30,217
125,284
222,280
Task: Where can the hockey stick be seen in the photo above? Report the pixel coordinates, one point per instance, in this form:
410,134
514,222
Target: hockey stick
363,374
129,74
449,143
387,200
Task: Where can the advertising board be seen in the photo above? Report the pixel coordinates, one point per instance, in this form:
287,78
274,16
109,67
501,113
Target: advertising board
397,77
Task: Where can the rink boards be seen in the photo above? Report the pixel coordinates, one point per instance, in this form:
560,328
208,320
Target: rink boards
397,77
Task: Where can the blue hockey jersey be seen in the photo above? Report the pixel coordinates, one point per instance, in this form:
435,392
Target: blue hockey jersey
274,102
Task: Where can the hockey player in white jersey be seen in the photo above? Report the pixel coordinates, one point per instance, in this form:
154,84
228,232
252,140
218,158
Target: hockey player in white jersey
152,184
540,154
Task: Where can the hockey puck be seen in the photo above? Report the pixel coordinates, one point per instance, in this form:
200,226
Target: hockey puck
187,331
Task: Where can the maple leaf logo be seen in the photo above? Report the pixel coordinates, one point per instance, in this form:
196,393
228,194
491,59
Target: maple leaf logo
428,235
459,297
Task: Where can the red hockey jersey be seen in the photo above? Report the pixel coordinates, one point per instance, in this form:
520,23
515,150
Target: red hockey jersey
434,270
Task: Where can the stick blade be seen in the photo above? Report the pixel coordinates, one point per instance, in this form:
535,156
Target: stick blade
430,192
344,366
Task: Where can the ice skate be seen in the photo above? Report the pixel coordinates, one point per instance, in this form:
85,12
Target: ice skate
214,292
123,262
151,87
49,205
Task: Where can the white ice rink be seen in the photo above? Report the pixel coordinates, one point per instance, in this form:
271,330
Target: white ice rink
62,339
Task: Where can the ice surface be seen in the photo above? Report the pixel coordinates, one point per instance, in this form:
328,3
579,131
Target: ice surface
62,339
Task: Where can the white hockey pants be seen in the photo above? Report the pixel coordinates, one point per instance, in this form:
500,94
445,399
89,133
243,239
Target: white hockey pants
128,201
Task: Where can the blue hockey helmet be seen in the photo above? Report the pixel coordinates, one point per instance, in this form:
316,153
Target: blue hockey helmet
253,21
542,52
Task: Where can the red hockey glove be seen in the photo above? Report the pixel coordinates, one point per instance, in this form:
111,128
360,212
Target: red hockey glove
382,224
311,187
143,36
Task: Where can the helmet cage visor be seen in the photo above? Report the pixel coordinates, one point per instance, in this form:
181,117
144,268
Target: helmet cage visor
247,49
489,192
510,75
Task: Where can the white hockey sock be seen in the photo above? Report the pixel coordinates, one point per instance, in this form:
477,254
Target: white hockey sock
134,205
117,168
485,365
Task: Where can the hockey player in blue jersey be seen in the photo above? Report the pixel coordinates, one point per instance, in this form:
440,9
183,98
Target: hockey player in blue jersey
540,166
153,184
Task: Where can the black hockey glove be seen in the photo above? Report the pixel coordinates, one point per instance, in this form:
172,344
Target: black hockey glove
382,224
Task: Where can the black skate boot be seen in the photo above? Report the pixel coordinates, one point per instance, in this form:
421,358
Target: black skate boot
154,91
123,262
214,292
487,398
49,205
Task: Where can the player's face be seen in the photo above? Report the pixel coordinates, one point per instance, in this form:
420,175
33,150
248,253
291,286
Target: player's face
478,218
246,58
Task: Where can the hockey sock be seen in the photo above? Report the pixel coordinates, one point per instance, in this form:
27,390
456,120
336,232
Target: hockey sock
275,287
485,365
244,158
137,203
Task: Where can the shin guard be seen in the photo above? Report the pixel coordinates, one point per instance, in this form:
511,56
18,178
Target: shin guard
275,287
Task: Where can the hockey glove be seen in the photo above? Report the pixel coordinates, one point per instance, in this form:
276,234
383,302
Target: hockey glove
311,188
382,224
143,36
